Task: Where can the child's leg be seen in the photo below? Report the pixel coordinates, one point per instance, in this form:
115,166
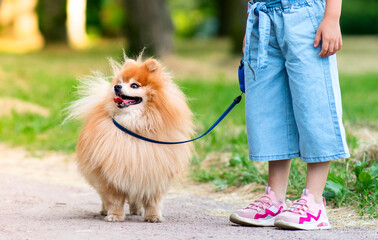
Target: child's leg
308,212
279,177
316,179
263,211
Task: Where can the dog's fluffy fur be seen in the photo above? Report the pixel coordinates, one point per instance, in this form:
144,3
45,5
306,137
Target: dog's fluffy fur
123,168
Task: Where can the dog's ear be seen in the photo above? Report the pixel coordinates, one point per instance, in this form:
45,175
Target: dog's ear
152,65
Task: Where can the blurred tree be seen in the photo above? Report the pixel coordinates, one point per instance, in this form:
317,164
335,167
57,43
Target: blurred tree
105,18
148,24
93,21
191,17
359,17
52,20
209,18
224,17
76,22
232,15
19,26
112,17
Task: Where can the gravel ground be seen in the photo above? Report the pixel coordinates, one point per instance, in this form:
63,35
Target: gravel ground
46,199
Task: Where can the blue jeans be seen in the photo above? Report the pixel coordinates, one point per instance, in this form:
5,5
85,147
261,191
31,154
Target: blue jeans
293,102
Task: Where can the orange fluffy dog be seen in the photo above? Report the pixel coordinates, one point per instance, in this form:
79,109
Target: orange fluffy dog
143,98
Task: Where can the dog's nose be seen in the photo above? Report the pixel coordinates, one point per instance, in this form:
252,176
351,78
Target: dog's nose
117,88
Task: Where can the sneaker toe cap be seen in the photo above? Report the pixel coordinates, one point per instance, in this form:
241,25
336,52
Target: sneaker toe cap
245,213
287,217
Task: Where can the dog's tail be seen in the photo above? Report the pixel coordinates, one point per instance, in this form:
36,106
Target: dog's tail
90,92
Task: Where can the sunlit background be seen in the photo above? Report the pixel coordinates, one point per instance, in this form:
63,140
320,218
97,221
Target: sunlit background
32,24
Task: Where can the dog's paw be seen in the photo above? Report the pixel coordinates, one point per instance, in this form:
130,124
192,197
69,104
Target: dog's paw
114,218
154,219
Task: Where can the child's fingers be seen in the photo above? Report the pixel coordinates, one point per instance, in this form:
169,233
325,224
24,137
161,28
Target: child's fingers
324,50
331,49
334,46
317,39
337,46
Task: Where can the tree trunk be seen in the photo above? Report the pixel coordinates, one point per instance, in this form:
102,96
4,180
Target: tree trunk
149,26
224,14
76,19
232,17
52,20
238,21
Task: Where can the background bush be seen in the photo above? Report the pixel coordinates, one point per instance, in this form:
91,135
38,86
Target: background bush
359,17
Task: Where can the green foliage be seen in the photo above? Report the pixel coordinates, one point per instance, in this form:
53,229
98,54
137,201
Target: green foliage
237,171
359,17
366,173
112,16
356,187
336,189
105,18
93,23
193,17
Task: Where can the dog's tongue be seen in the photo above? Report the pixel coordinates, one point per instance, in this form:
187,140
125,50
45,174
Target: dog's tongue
127,102
118,100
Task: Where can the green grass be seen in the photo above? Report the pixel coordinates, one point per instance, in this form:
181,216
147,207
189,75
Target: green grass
359,97
47,78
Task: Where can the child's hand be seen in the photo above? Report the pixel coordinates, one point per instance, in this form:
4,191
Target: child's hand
330,34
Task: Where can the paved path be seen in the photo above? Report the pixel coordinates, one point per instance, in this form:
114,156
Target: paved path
32,209
45,198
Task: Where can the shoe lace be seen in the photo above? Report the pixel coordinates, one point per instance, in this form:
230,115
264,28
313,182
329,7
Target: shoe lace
299,206
260,204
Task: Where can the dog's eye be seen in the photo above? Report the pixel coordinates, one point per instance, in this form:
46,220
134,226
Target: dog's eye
134,85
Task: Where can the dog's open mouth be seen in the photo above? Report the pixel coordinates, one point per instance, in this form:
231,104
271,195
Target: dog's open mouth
125,101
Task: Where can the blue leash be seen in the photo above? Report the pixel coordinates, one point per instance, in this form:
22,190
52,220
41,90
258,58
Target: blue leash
233,104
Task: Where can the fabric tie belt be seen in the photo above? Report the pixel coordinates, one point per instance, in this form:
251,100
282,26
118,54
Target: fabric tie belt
258,11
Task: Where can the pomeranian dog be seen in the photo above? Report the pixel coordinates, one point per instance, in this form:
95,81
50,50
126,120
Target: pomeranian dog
143,98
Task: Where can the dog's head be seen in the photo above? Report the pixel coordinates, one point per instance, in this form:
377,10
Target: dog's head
136,86
141,96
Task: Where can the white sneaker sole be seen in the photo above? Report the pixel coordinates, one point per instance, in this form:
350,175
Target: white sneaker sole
309,226
251,222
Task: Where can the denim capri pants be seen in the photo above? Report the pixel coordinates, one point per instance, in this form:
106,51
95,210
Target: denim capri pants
293,101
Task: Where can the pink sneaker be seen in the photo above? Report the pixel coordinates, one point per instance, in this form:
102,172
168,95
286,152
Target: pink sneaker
261,212
304,214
